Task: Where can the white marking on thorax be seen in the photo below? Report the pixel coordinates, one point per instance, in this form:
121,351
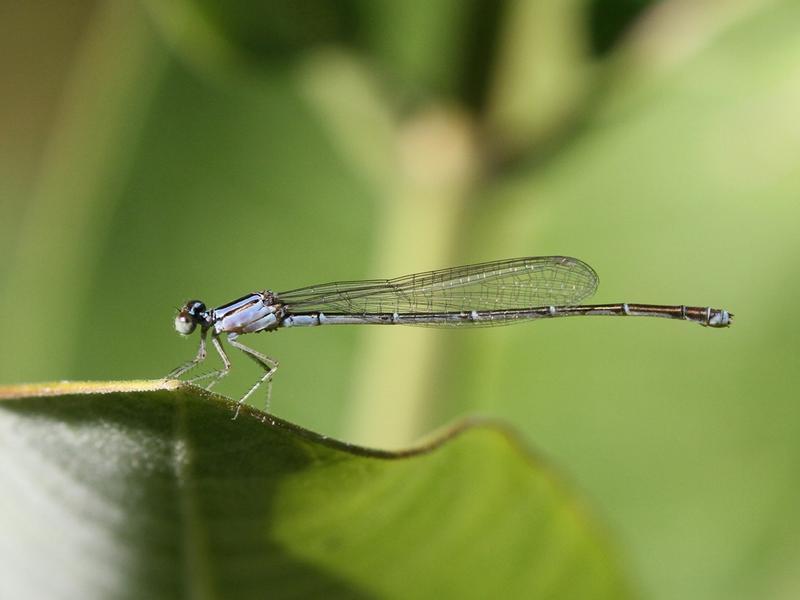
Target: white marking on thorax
252,314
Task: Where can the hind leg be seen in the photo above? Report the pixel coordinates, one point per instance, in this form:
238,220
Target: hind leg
268,364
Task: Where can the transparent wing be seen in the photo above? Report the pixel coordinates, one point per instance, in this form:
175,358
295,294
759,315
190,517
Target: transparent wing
504,284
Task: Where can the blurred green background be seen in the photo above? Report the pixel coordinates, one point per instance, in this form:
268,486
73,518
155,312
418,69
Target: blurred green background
153,152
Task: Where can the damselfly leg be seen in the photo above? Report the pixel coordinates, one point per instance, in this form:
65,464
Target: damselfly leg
191,364
217,374
269,365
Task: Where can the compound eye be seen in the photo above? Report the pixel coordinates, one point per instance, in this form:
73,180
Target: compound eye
184,323
192,313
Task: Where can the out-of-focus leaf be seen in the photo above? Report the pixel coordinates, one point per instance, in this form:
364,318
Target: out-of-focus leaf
216,32
609,21
151,490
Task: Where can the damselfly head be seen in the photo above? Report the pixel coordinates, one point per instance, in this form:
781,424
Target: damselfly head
192,313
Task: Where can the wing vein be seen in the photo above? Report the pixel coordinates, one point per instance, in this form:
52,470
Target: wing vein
499,285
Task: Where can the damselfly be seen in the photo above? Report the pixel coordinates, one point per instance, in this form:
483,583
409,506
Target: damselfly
493,293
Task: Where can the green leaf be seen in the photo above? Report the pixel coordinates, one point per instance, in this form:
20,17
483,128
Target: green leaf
151,490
